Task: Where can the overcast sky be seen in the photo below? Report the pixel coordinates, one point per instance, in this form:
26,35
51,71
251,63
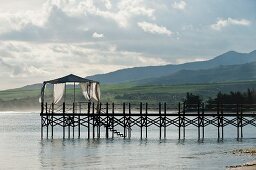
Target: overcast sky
41,40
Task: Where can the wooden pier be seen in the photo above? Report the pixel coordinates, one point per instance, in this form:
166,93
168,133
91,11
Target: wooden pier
118,120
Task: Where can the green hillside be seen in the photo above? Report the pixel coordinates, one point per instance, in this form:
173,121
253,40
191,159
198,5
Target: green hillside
27,99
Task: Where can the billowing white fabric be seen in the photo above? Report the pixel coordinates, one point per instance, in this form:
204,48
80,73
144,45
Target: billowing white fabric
97,92
58,92
85,90
91,91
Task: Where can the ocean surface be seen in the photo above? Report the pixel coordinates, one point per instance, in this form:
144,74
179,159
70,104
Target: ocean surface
21,147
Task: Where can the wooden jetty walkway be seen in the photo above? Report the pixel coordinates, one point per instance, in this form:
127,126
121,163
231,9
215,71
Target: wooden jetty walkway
109,118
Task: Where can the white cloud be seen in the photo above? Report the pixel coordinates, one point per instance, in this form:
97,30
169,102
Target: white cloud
221,23
153,28
179,5
33,62
97,35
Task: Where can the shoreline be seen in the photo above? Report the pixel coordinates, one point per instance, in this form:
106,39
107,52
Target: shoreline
248,165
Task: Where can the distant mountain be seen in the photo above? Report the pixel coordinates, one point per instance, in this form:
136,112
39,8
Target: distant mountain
139,73
230,73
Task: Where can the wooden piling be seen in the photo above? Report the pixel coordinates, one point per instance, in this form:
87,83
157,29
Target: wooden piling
165,120
198,121
52,118
93,121
184,123
73,121
88,119
112,121
179,125
47,120
129,122
63,119
124,121
160,123
141,121
107,125
146,125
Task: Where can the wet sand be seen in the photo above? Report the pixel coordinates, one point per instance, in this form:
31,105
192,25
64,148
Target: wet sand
247,166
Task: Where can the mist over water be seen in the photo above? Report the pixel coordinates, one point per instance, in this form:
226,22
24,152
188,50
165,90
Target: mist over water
22,148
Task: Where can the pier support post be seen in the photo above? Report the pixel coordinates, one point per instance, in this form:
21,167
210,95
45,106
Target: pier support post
129,123
141,121
222,123
73,121
160,123
218,115
63,119
146,111
47,120
98,120
203,120
183,120
52,119
237,122
179,125
79,123
107,125
113,119
93,121
198,121
88,119
124,122
241,122
165,120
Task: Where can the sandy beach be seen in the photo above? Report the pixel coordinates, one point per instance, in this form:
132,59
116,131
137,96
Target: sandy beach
247,166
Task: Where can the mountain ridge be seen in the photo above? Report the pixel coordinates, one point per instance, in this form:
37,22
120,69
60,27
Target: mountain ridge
140,73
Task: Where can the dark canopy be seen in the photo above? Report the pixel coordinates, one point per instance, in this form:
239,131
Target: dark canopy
66,79
69,78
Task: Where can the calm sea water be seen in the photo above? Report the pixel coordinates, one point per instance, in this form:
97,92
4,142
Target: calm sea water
22,148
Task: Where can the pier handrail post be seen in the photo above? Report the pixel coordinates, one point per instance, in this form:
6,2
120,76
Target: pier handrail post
52,118
73,120
222,123
99,121
165,120
146,111
47,119
63,119
141,121
241,121
183,119
129,121
238,121
160,116
88,119
198,120
124,120
93,121
203,108
79,125
218,116
113,119
179,119
107,120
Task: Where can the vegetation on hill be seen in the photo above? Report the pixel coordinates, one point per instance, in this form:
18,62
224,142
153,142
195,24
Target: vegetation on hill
27,99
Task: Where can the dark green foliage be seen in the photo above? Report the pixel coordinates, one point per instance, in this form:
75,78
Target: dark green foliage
248,97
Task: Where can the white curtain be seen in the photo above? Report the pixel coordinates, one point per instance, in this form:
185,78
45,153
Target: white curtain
97,92
58,92
91,91
85,90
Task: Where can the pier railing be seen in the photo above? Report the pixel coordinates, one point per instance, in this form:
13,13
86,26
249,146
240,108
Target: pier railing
126,116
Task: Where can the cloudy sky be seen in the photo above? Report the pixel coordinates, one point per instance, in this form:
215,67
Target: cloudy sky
44,39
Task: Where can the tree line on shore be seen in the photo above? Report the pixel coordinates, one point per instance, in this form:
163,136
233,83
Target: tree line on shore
233,97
